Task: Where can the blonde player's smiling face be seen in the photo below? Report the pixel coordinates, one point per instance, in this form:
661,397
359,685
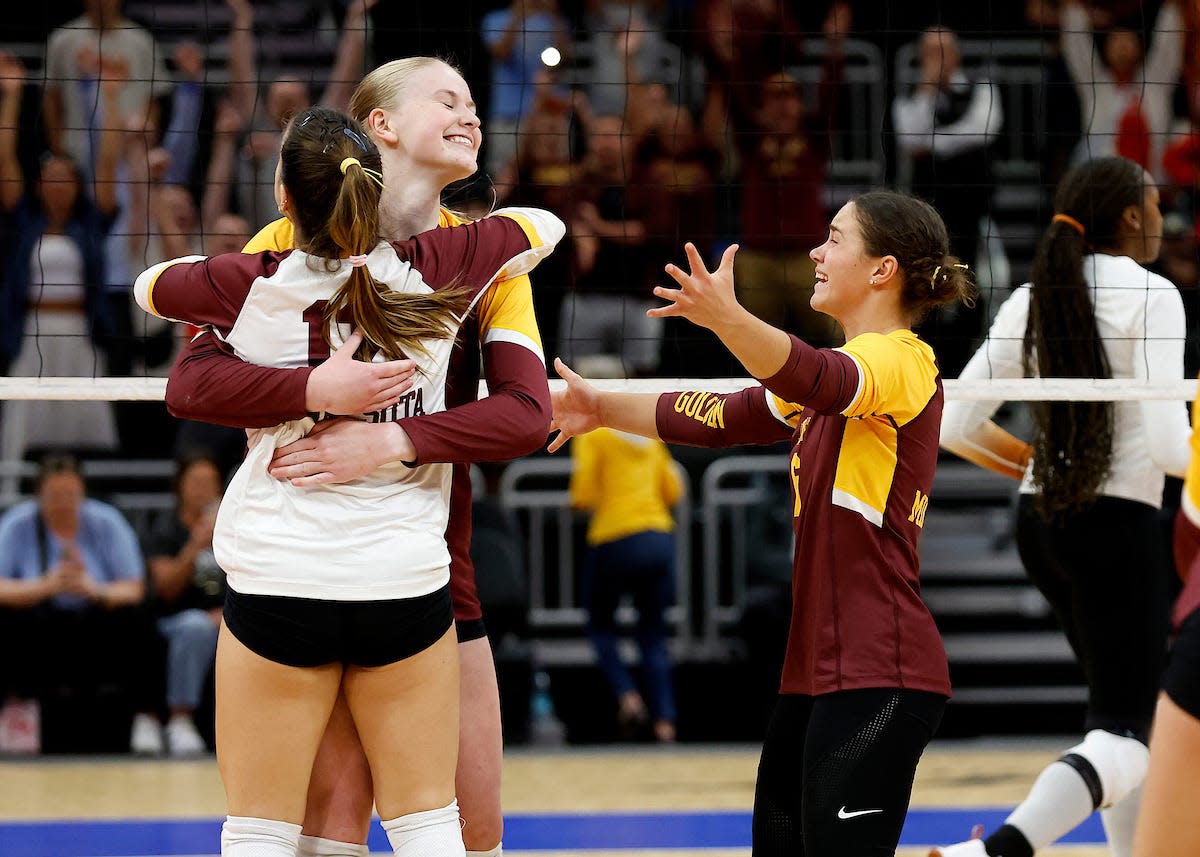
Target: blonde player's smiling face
436,122
843,267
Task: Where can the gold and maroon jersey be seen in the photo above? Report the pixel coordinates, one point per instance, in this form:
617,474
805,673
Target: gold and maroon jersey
863,421
381,536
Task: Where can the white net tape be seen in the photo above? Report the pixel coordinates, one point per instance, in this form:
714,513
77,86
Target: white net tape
1011,390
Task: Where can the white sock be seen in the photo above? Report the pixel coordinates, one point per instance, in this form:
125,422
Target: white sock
315,846
495,852
431,833
1120,820
1058,803
258,837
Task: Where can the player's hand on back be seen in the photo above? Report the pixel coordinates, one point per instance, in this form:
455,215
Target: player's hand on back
343,385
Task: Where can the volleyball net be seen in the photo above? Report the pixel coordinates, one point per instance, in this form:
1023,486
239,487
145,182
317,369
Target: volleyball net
643,124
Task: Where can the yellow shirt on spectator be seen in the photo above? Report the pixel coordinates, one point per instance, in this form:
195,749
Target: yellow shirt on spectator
628,483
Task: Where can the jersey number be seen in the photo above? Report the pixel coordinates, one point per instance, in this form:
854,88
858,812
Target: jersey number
314,317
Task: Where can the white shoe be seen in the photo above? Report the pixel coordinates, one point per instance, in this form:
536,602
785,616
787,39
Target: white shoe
20,727
146,738
183,739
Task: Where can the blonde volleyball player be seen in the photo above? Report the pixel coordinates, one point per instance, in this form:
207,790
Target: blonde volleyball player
1087,519
341,587
420,113
865,678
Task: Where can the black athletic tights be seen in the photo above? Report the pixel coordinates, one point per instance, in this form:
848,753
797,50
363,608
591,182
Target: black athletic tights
837,770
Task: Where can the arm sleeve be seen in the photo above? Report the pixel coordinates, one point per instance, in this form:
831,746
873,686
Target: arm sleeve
514,419
1000,356
507,244
210,384
715,420
585,476
1166,422
827,380
200,291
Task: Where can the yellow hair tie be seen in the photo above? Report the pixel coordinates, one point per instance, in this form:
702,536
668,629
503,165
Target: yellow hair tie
347,163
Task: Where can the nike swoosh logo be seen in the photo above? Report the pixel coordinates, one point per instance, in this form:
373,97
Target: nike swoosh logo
843,814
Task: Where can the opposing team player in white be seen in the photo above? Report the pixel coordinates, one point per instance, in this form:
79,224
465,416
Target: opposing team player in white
341,585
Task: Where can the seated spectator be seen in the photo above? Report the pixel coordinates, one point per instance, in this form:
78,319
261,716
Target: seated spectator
189,594
55,315
72,582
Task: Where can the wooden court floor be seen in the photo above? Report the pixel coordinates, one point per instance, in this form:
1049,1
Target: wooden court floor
603,783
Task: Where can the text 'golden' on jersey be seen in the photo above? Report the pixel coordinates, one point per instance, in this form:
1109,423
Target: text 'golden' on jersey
411,404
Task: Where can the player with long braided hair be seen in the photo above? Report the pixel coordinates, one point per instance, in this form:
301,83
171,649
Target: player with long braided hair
1092,483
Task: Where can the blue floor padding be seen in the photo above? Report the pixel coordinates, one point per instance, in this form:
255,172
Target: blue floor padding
557,832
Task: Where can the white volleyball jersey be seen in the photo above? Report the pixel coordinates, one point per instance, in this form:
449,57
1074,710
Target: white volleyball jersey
382,536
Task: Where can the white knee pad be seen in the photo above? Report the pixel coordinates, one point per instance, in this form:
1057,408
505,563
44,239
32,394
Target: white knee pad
258,837
498,851
1120,763
316,846
432,833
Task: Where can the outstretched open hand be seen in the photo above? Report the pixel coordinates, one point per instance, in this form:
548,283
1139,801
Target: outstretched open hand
576,409
704,298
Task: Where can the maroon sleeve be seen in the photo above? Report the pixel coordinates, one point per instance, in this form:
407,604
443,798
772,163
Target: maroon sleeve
698,418
210,292
210,384
513,420
821,378
467,256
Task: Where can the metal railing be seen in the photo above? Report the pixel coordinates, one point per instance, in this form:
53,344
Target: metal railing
554,600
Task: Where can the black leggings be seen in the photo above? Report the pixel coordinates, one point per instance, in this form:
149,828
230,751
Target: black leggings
1105,573
836,771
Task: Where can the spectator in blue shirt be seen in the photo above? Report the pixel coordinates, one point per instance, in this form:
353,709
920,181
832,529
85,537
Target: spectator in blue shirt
526,40
72,582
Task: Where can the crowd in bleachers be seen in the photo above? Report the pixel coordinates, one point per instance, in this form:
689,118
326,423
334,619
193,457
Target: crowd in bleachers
136,131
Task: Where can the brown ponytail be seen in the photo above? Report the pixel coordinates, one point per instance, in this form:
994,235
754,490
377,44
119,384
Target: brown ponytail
896,224
332,168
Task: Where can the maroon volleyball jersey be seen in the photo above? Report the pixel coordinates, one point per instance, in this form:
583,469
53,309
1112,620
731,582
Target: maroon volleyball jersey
864,421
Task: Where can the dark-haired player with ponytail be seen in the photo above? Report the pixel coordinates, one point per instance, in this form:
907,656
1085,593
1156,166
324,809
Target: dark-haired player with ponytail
341,587
1092,482
865,676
